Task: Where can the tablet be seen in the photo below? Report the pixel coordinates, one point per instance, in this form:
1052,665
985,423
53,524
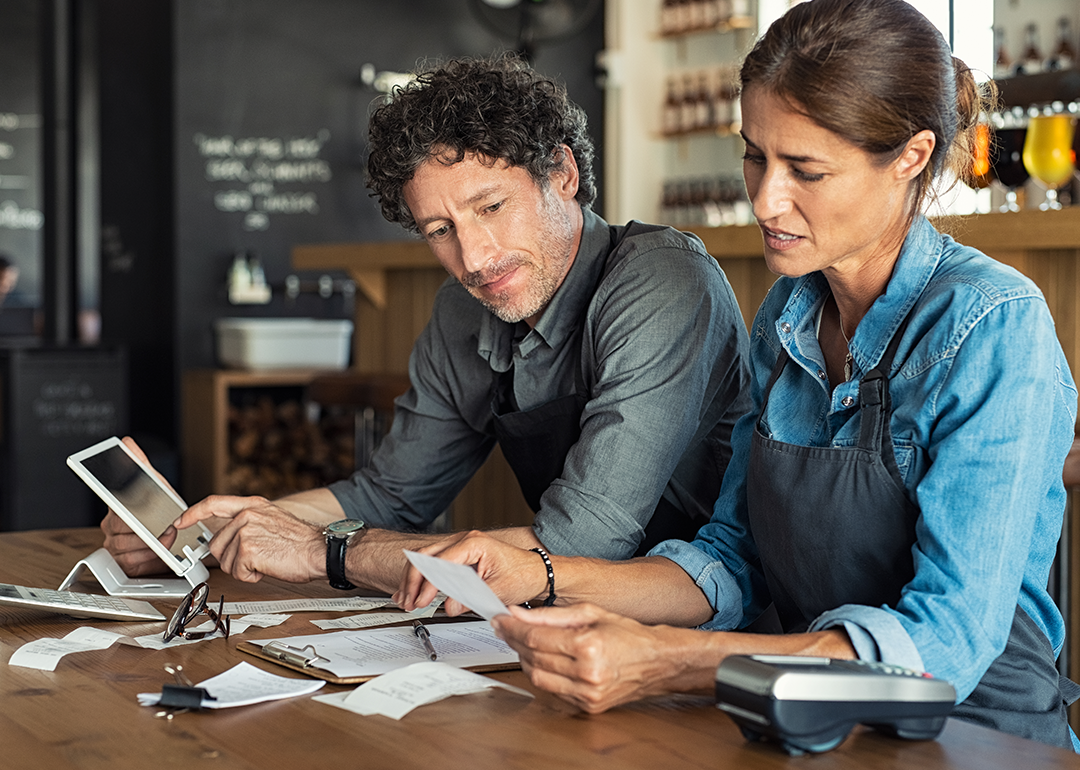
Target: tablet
142,500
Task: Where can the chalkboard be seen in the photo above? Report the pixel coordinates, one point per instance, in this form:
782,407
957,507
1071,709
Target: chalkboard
270,131
54,403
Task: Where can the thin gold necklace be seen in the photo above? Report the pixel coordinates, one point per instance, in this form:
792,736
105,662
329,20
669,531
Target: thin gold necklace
847,346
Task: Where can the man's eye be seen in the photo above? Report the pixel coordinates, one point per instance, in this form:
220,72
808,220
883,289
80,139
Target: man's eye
438,233
494,206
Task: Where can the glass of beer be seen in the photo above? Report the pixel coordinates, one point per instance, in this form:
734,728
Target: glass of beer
1048,154
1006,155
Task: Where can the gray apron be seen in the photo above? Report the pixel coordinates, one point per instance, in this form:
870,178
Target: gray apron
535,442
834,526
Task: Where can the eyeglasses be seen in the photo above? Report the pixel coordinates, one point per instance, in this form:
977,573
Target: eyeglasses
193,605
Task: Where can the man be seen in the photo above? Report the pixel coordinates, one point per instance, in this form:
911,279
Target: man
608,363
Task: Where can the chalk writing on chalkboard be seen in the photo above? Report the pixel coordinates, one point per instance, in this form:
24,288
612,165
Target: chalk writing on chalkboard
14,216
70,407
263,176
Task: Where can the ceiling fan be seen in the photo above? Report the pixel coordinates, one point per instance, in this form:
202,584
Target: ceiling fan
531,23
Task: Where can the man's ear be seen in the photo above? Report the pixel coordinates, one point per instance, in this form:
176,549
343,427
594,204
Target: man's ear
564,178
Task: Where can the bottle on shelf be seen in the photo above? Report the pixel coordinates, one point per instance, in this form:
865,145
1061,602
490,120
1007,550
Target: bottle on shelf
683,15
1063,56
723,95
672,117
669,16
688,119
1003,63
714,201
703,114
1031,60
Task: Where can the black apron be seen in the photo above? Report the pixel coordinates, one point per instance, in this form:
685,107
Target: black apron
535,442
834,526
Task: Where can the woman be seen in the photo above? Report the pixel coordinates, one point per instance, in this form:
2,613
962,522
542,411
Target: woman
896,493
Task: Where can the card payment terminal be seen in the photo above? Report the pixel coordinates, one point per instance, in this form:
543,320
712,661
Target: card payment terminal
811,704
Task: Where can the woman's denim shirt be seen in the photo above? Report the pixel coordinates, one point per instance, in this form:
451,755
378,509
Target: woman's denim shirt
984,408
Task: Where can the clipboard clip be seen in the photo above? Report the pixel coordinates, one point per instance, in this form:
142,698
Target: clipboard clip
296,656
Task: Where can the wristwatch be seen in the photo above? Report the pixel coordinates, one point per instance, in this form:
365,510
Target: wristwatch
338,535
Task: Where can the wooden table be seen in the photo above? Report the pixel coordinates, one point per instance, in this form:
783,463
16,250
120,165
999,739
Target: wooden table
85,715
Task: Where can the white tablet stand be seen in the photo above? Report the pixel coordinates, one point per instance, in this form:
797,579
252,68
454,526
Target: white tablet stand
116,583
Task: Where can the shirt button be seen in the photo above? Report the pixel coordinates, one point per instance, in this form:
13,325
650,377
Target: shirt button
847,401
822,374
785,327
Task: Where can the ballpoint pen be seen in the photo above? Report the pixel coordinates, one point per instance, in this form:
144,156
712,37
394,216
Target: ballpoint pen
424,637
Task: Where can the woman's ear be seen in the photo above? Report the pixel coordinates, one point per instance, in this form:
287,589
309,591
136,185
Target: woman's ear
915,155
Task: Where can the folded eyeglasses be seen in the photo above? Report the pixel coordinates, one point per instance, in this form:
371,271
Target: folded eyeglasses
192,606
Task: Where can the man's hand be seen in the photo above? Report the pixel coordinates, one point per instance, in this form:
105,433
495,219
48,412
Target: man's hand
515,574
131,553
591,657
260,538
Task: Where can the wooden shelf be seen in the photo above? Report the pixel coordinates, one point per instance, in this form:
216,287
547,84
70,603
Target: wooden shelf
366,263
205,410
1040,88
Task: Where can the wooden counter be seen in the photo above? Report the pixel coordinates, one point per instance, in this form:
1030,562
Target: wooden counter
85,715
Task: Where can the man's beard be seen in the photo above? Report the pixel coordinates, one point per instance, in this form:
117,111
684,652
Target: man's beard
547,272
516,306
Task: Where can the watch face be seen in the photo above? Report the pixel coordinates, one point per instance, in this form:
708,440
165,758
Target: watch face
344,527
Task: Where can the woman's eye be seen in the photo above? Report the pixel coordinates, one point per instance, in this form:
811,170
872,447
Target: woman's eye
751,158
807,177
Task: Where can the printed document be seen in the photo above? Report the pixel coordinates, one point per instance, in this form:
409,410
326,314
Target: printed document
371,652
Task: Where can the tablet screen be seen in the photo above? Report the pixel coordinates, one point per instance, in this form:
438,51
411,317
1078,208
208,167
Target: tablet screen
141,495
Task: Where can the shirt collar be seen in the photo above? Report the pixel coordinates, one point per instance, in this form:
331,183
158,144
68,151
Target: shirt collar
919,258
564,313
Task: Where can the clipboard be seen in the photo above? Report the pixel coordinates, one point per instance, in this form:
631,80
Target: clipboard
304,659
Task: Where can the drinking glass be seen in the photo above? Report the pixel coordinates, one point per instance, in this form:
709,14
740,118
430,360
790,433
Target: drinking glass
1048,154
1006,156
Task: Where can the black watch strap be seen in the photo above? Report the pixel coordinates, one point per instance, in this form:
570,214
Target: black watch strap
335,563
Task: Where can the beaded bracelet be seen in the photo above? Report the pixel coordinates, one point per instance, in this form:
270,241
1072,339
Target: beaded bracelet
550,600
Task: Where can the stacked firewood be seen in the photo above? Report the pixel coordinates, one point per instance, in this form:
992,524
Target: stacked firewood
280,447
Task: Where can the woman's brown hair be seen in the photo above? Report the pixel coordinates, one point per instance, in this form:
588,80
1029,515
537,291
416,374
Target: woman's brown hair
875,72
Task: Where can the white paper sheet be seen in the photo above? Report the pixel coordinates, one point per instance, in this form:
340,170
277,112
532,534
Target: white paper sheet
372,619
397,693
338,604
375,651
242,685
44,654
460,582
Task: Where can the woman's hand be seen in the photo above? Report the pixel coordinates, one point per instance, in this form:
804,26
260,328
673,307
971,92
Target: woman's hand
515,574
598,660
